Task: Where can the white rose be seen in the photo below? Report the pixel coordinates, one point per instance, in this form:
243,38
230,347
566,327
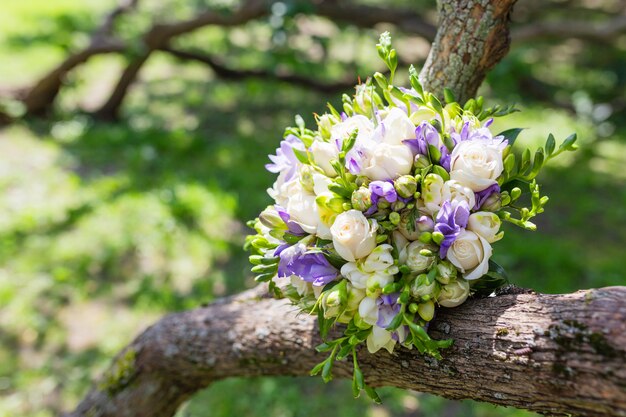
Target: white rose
412,257
454,294
455,192
384,161
378,339
344,129
302,208
397,127
432,193
485,224
368,310
470,253
353,236
477,163
323,153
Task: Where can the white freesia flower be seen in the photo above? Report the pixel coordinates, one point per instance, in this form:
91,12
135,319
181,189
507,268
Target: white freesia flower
455,192
353,236
355,296
485,224
454,294
368,310
412,257
323,153
378,339
302,208
432,193
470,253
477,163
353,273
280,191
320,184
380,260
302,287
344,129
376,282
397,127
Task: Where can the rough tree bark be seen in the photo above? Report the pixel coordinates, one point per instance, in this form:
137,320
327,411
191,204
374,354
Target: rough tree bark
556,354
473,36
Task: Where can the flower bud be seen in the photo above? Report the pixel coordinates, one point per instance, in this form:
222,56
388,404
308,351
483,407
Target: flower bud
376,283
306,177
423,287
355,295
419,256
406,186
324,123
492,203
425,224
426,310
270,219
334,299
454,294
446,272
362,199
421,161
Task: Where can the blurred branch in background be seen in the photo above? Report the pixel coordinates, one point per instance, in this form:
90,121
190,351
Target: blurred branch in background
39,99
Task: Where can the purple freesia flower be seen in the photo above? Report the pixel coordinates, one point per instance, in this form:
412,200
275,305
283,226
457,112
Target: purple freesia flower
293,227
425,134
309,266
388,308
384,190
483,195
450,221
285,159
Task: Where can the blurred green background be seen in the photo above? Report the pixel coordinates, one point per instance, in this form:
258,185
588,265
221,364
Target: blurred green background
106,226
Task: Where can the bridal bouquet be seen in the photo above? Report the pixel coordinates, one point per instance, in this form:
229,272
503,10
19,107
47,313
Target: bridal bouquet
390,208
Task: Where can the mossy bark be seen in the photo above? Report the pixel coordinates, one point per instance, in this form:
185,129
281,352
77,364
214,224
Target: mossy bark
473,37
554,354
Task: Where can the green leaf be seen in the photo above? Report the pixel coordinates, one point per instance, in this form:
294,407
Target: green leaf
415,83
511,134
327,369
495,277
550,144
441,171
449,96
301,155
395,323
371,392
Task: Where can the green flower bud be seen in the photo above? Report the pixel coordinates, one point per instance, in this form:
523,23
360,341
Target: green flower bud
405,186
492,203
421,161
270,219
446,272
324,124
306,177
394,218
422,286
426,310
361,199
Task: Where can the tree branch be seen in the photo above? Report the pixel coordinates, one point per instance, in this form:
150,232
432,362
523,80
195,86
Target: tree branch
225,72
473,37
606,31
39,99
556,354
